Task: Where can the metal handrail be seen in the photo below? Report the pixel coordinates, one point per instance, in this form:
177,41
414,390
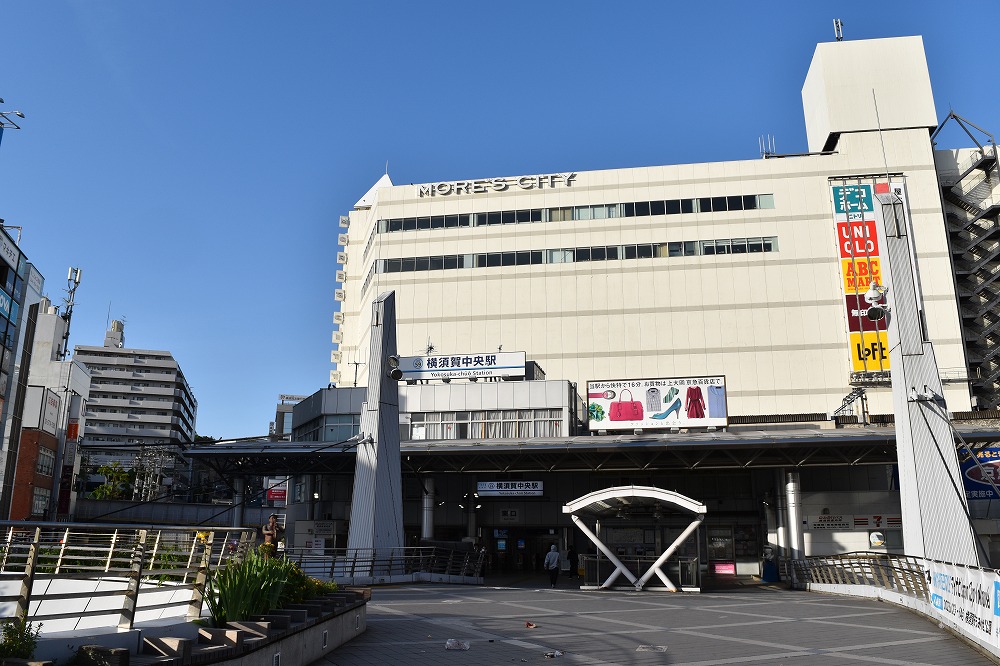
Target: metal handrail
350,563
141,559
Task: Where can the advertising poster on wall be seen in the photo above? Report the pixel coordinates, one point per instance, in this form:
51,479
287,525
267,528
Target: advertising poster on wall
861,268
978,472
678,402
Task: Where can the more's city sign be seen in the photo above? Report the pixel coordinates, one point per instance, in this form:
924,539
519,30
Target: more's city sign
537,182
676,402
459,366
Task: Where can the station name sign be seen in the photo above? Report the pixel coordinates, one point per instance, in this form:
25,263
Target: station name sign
538,182
445,366
509,488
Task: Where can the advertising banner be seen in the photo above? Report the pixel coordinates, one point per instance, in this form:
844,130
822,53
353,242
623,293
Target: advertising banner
277,489
979,471
448,366
965,598
677,402
860,269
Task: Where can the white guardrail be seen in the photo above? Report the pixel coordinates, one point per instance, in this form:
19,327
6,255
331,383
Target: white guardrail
964,598
74,576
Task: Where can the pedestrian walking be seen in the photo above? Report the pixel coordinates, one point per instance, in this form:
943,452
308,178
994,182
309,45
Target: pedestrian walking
551,564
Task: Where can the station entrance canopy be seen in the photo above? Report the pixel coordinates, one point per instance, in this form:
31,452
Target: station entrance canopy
610,502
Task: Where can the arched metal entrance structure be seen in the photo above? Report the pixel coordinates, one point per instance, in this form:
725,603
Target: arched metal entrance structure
610,501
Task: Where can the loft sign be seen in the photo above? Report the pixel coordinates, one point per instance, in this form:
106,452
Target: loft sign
539,182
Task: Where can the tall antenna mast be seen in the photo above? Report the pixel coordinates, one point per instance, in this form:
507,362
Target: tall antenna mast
72,282
838,29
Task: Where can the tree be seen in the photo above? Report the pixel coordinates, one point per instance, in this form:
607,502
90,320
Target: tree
117,482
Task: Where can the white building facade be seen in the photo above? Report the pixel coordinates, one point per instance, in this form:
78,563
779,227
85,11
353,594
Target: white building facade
751,270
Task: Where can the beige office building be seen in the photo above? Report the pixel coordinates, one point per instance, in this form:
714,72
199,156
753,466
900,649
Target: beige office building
753,270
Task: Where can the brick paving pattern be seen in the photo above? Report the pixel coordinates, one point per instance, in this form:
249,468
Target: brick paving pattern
747,625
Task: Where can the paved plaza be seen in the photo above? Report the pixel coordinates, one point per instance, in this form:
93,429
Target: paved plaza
749,624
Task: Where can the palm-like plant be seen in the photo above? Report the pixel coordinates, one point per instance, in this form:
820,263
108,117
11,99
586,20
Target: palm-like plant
251,586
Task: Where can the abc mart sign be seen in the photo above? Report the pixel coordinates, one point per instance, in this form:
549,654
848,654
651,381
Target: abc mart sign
538,182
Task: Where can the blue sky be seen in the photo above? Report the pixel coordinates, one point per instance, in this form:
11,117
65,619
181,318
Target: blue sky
193,157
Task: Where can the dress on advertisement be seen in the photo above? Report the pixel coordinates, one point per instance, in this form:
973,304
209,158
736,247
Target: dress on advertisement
695,403
717,402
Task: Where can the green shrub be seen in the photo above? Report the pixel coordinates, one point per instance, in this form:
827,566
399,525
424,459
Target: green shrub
245,588
19,638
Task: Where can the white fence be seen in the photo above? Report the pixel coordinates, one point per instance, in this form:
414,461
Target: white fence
964,598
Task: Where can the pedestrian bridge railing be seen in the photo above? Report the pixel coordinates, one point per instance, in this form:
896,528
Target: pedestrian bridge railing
369,566
963,597
74,576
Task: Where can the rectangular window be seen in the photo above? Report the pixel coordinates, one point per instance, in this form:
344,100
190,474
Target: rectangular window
631,251
739,245
641,208
722,246
612,252
765,201
584,213
673,207
465,220
393,265
481,219
437,222
657,208
423,264
755,244
508,217
46,461
522,216
522,258
450,261
450,221
707,247
718,204
629,210
536,256
687,205
409,223
583,254
734,203
690,248
536,214
395,225
493,218
409,265
436,263
645,251
598,254
749,202
560,256
506,258
771,244
705,205
675,250
40,501
493,259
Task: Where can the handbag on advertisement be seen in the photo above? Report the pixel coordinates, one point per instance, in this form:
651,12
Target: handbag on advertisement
626,410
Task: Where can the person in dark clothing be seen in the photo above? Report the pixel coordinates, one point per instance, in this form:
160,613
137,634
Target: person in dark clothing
574,561
551,564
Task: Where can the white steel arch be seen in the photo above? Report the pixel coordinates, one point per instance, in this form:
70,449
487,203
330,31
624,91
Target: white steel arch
611,500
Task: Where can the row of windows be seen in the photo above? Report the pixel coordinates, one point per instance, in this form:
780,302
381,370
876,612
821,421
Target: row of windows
579,254
570,213
495,424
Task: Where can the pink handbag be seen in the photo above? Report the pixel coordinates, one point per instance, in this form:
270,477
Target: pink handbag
626,410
